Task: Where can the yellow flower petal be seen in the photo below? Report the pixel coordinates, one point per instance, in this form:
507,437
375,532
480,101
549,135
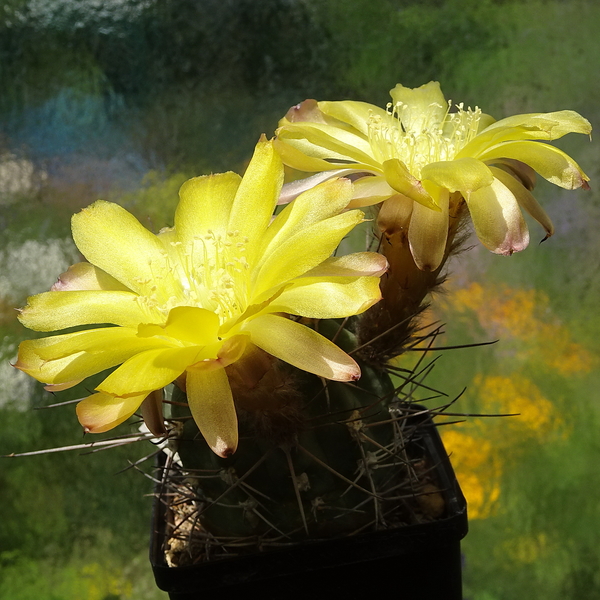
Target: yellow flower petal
370,190
304,156
497,219
464,175
115,241
423,105
367,264
66,370
484,122
150,370
535,126
75,356
29,362
303,251
101,412
256,197
52,311
400,178
293,189
211,404
205,204
321,298
550,162
525,199
317,204
428,232
341,142
302,347
191,324
117,340
356,114
85,276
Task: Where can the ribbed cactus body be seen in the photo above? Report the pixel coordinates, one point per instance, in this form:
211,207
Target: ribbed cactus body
344,467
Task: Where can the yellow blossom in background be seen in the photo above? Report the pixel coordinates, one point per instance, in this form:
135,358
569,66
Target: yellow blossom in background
483,449
186,303
527,549
477,466
100,582
422,159
535,416
524,315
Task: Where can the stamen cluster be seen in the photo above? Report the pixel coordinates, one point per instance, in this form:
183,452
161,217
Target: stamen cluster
420,139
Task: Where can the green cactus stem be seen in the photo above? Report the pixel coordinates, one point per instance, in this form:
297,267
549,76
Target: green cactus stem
337,459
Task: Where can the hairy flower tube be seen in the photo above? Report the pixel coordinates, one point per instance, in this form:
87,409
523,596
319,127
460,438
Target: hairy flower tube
188,302
420,158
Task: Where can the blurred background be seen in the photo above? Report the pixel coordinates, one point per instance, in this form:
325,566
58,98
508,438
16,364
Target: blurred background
126,99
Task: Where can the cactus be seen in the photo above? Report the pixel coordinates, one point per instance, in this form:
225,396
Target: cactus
334,459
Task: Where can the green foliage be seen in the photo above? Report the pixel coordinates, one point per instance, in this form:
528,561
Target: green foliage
541,64
378,44
93,575
75,525
207,131
241,45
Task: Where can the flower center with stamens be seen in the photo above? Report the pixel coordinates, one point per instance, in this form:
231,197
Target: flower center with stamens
418,139
210,271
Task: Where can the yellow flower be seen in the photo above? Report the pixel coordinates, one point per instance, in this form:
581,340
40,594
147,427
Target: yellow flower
418,153
194,298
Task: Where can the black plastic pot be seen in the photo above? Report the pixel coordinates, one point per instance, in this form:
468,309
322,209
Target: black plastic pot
420,562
